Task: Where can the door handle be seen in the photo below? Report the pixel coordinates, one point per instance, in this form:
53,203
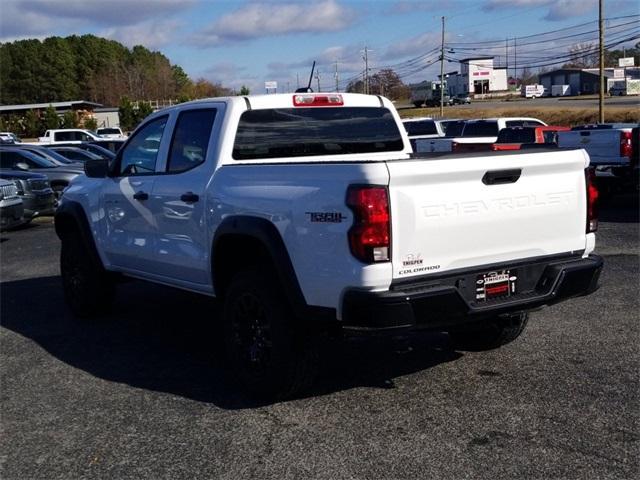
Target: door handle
141,195
500,177
189,197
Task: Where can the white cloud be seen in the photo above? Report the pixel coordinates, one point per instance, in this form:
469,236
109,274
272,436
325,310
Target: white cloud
152,34
557,9
41,18
257,20
413,46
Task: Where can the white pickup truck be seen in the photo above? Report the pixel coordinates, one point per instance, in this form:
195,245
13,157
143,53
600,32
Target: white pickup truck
475,132
613,151
308,213
68,135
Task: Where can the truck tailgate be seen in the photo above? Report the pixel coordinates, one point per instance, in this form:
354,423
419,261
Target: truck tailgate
603,146
470,210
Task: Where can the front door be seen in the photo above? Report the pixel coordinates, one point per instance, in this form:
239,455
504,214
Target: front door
129,224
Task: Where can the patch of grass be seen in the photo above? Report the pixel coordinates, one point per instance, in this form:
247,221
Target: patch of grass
551,115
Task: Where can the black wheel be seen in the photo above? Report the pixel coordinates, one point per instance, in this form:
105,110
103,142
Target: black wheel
268,352
88,288
494,334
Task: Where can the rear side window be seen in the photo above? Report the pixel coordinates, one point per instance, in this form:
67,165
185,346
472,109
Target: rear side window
190,139
426,127
301,132
480,129
453,128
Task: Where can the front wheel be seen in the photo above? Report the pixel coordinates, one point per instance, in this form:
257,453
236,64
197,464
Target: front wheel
88,289
267,350
493,334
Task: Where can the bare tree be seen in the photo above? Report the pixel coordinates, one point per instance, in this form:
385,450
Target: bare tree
583,55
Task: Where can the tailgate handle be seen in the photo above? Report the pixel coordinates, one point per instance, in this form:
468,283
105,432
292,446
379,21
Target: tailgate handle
500,177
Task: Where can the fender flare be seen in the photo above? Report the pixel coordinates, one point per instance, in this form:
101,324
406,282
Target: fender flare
71,214
267,234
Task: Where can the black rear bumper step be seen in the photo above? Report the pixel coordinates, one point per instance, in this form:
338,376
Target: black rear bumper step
449,301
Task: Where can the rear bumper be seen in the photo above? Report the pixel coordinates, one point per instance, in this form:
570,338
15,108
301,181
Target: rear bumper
449,301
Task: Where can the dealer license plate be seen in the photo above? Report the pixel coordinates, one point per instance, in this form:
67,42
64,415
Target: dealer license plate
497,284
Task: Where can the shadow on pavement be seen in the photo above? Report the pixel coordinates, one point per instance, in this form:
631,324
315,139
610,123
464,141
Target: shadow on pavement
622,208
161,339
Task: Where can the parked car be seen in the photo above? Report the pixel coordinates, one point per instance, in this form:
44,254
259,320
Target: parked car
51,155
35,190
514,138
15,158
87,147
9,137
76,154
111,132
461,99
11,208
112,145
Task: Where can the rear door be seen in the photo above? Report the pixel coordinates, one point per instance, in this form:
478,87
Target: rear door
466,211
178,203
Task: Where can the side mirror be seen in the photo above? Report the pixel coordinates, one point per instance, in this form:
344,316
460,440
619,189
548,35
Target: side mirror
98,168
22,166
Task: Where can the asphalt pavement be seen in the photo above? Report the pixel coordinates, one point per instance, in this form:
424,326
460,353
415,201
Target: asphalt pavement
142,394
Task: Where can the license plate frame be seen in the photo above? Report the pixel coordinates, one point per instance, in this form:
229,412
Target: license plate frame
496,284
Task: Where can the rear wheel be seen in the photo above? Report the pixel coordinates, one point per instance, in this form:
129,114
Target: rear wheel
88,288
267,350
493,334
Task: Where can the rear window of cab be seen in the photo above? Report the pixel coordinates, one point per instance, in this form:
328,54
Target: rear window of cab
313,131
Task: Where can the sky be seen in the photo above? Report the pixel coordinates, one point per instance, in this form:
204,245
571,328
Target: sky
240,42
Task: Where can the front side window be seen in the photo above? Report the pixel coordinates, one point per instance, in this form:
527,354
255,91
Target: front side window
141,153
190,140
302,132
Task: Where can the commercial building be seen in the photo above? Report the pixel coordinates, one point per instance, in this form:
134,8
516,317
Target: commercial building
477,76
586,81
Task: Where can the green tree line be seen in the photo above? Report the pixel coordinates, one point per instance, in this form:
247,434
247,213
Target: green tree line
92,68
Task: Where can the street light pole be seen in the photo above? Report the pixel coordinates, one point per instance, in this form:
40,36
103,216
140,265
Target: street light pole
442,72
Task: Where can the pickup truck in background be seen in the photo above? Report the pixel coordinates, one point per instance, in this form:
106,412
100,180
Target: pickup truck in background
475,132
421,128
68,135
514,138
611,149
308,214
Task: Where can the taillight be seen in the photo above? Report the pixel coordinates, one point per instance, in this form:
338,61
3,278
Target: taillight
592,200
324,100
370,235
625,144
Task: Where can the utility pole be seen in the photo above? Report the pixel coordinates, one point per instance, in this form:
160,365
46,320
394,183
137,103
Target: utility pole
442,72
366,70
601,100
337,87
515,59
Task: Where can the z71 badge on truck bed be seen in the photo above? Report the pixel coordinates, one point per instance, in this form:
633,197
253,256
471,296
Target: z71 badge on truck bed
306,213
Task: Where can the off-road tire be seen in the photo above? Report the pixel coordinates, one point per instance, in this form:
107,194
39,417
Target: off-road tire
494,334
268,351
88,288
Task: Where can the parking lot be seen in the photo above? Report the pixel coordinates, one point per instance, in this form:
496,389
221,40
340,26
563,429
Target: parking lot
142,393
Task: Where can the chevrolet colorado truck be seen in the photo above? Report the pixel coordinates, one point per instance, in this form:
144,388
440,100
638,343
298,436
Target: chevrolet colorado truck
309,213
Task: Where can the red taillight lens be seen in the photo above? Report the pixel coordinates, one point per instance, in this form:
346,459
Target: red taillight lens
625,144
370,235
326,100
592,200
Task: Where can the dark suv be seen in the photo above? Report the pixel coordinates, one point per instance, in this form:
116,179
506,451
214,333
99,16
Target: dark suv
34,189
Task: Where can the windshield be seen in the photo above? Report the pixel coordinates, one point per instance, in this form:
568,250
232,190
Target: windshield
300,132
108,131
516,135
50,155
480,129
